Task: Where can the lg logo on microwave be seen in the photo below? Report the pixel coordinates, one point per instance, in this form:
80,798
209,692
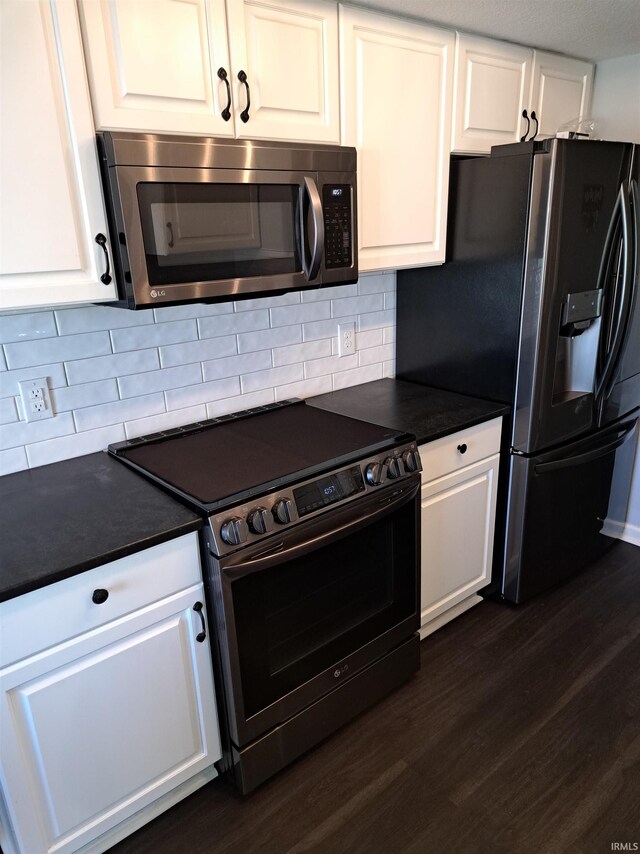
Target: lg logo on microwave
155,294
340,670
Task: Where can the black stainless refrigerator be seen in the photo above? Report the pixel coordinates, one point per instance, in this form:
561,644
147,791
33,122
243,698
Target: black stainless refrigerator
537,306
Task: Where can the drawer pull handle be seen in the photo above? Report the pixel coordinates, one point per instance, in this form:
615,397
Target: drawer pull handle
99,596
201,635
462,448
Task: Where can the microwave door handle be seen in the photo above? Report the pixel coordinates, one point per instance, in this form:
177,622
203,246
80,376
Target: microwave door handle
353,519
317,244
624,304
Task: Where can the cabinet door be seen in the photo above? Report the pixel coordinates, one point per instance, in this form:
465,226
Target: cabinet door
95,729
396,83
289,52
491,89
51,205
560,90
458,518
153,65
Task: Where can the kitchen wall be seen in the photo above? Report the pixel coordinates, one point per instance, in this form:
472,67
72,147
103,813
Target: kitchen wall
616,107
114,374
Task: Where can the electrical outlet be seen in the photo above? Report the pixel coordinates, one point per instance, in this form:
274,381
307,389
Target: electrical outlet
347,339
36,402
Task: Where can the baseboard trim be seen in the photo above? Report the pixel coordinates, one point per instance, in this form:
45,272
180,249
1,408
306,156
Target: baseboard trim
622,531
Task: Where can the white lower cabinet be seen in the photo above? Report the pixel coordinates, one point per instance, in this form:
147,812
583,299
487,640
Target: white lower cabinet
103,722
458,501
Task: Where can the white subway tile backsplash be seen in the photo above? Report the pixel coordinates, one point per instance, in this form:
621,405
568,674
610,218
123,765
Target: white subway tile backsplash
197,351
389,369
184,312
357,305
301,352
270,378
150,381
86,394
330,365
139,337
303,313
24,432
114,373
116,365
77,445
370,356
27,327
191,395
236,365
357,376
8,410
242,401
377,319
118,412
60,349
165,421
249,342
304,388
229,324
10,379
92,318
14,459
376,283
336,292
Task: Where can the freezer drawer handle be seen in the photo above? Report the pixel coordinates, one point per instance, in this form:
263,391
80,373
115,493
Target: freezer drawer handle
589,456
462,448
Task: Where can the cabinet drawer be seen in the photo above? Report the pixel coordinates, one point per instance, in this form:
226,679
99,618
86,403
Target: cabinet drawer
61,611
460,449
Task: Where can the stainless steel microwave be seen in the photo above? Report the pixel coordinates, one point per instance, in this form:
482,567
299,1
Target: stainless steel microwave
197,219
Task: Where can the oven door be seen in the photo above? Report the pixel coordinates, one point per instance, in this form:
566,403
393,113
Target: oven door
202,234
316,606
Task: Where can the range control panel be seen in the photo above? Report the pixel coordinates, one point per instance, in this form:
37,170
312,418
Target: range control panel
338,237
245,524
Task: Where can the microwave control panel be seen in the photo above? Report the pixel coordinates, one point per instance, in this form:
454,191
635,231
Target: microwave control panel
336,204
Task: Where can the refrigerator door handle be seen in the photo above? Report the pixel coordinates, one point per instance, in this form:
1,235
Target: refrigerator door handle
625,429
624,305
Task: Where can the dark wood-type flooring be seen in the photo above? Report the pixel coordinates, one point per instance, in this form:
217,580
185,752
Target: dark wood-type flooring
520,734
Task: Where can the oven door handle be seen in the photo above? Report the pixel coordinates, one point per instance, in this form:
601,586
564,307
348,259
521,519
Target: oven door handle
237,565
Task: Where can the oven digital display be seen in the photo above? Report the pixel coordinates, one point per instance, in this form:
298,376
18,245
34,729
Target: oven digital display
327,490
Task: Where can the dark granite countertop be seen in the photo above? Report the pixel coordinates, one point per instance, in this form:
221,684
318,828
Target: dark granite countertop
427,412
68,517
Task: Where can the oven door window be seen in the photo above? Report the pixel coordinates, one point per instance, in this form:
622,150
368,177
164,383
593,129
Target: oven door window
210,232
296,619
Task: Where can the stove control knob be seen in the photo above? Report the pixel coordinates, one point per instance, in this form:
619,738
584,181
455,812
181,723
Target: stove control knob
260,520
393,467
411,460
374,474
234,531
285,511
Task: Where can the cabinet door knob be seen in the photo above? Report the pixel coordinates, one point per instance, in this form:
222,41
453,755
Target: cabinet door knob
242,77
462,448
226,113
524,135
100,595
198,609
101,240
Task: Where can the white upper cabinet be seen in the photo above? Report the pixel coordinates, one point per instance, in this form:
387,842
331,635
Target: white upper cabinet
160,65
289,54
153,65
491,90
495,82
51,206
560,90
396,86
